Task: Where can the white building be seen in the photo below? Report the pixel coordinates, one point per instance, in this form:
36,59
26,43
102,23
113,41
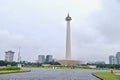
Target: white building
112,60
9,56
41,58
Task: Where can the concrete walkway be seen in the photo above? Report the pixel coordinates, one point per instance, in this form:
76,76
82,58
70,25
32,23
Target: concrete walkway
51,74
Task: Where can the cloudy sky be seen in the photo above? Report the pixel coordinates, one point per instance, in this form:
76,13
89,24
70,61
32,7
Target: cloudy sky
39,27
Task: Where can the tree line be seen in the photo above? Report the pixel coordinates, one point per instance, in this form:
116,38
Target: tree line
35,64
6,63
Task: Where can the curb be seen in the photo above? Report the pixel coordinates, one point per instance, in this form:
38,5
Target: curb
97,77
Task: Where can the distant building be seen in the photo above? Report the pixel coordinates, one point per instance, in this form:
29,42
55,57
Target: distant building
99,62
91,66
118,57
49,58
90,63
112,60
81,62
41,58
9,56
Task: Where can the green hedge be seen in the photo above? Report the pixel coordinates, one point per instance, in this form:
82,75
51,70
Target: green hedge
9,68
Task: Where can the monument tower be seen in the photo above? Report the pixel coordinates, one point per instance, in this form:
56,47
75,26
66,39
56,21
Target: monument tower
68,61
68,42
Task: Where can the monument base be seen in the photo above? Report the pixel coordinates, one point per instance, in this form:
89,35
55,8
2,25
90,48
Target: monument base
68,62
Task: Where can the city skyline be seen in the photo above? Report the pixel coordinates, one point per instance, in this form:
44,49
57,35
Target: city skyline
38,27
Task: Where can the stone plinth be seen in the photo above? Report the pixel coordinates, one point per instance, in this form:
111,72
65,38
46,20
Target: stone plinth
68,62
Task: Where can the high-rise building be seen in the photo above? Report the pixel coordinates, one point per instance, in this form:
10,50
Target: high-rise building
41,58
112,60
49,58
118,57
9,55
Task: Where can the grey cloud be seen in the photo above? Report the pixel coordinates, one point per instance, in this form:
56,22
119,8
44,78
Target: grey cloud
108,22
39,28
99,35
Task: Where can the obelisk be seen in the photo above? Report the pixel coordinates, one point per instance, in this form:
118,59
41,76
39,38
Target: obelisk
68,41
68,61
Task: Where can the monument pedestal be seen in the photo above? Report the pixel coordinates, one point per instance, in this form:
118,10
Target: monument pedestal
68,62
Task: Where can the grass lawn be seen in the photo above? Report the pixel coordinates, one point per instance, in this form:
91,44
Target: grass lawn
107,76
60,67
13,71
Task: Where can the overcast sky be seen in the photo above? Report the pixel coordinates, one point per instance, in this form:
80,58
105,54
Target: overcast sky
39,28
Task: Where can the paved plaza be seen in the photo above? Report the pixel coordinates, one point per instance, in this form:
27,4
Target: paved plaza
51,74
